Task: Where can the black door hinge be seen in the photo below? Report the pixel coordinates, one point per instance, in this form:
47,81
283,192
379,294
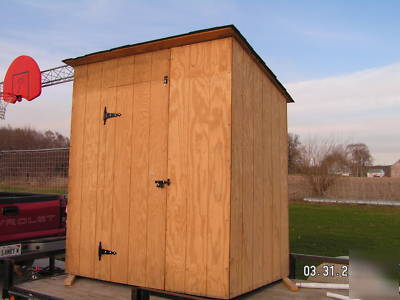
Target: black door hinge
165,81
108,115
105,252
161,183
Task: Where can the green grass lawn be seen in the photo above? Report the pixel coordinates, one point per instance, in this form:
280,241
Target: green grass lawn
16,189
334,230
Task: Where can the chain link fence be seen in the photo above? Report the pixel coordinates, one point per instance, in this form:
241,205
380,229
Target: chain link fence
38,171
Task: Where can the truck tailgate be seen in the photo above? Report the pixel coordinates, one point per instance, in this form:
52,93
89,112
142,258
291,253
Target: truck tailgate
24,216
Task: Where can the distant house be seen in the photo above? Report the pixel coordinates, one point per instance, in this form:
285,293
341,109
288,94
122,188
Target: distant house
375,173
339,169
378,171
395,169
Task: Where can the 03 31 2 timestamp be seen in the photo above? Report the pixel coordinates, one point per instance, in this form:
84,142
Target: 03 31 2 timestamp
326,271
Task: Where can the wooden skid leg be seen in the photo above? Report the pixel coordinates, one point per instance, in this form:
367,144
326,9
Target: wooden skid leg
69,281
290,285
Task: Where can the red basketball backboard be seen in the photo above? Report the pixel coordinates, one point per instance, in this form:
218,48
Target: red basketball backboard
23,80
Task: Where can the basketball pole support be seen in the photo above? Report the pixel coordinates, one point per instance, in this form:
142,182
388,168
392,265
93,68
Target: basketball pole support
52,76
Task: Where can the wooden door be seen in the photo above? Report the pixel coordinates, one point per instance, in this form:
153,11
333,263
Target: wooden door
113,196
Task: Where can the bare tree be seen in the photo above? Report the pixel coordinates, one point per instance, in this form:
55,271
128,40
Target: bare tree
320,164
360,158
294,152
28,138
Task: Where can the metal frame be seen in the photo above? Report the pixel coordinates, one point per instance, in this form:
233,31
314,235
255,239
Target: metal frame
52,76
57,75
137,293
7,266
20,293
140,293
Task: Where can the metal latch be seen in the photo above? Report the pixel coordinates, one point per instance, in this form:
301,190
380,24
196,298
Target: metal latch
105,252
161,183
108,115
165,81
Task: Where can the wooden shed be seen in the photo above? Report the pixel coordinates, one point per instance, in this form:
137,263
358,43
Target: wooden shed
188,186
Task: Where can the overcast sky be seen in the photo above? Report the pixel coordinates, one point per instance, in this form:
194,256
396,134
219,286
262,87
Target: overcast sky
340,60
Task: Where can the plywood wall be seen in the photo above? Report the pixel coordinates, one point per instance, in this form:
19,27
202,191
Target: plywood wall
197,250
218,131
259,229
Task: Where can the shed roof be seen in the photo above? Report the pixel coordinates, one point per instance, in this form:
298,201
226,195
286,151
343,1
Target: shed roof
176,41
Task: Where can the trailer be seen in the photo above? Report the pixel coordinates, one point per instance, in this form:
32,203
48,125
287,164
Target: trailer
44,248
54,287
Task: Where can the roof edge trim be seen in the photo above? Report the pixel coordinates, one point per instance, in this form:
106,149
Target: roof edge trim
176,41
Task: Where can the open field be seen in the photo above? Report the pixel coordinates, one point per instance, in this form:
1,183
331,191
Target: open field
47,185
334,230
19,189
349,188
36,171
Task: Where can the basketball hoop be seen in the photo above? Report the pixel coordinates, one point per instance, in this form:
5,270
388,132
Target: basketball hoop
23,80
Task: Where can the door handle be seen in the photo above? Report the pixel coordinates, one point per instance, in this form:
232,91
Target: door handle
10,211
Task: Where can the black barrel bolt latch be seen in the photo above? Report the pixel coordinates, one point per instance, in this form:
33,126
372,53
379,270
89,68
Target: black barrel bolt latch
160,183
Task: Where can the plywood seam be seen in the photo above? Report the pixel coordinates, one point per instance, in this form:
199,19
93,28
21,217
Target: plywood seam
229,168
284,195
81,163
131,162
231,176
113,174
263,176
113,177
242,177
254,77
280,187
166,172
98,155
148,167
271,105
252,99
208,185
258,210
187,160
125,95
241,95
108,98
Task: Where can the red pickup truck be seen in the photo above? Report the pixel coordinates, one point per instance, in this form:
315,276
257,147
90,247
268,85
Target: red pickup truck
26,217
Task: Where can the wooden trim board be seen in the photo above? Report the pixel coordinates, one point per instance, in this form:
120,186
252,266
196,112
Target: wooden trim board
177,41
